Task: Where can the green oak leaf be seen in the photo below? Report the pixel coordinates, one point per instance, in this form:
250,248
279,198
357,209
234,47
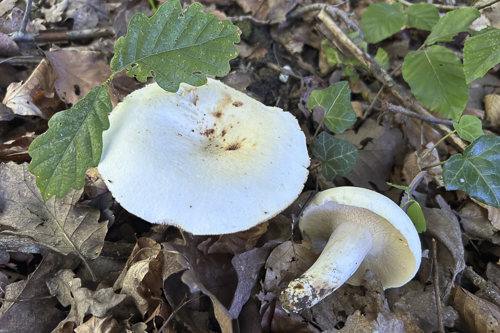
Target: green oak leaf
417,216
381,20
477,171
382,58
422,16
436,78
339,156
451,24
174,46
72,144
336,100
481,53
469,128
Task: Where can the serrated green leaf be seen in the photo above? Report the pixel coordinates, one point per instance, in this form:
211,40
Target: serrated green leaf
381,20
469,128
174,46
417,217
339,156
72,144
422,16
401,187
477,171
481,53
382,58
336,100
436,78
451,24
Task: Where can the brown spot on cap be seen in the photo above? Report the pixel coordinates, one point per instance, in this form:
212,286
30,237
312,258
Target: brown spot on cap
208,132
217,114
235,146
237,104
223,132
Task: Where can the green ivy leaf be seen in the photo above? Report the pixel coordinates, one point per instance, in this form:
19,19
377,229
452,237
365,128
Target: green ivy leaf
477,171
436,78
382,58
332,55
469,128
422,16
381,20
481,53
336,100
417,217
73,143
451,24
339,156
174,46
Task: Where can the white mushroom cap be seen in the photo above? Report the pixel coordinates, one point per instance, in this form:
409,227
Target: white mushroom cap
208,159
359,230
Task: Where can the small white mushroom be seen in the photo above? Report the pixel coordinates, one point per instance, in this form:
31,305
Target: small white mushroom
208,159
357,229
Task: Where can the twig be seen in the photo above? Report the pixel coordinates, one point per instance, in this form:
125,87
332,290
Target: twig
332,10
437,144
26,17
449,7
61,36
380,74
398,109
486,286
427,167
436,286
22,60
247,18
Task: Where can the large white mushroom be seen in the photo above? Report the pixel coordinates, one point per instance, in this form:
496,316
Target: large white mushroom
208,159
357,229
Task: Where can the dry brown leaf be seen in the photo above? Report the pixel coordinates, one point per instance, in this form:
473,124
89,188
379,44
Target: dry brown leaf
6,5
238,242
17,150
379,148
59,224
83,301
23,98
287,262
100,325
474,220
77,72
492,108
493,214
86,13
28,306
125,12
54,10
477,314
8,48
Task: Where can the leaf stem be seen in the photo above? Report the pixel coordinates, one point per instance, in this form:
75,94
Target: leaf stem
316,133
434,165
437,143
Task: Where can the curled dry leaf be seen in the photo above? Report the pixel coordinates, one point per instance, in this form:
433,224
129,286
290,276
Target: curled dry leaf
100,325
474,220
83,301
24,98
477,314
16,150
492,108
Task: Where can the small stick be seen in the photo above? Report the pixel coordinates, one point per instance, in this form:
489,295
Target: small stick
486,286
436,286
449,7
247,18
399,109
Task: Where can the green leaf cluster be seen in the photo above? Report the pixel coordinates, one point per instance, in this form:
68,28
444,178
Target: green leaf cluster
172,47
351,63
338,156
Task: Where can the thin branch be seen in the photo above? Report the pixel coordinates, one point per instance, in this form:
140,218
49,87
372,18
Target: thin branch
61,36
380,74
486,286
247,18
449,7
22,60
26,17
399,109
436,286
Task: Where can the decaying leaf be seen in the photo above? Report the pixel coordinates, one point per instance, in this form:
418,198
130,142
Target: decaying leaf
474,220
287,262
378,148
23,98
100,325
59,224
86,13
492,108
77,72
477,314
83,301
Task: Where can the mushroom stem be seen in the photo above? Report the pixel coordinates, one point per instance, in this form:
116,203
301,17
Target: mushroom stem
341,257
